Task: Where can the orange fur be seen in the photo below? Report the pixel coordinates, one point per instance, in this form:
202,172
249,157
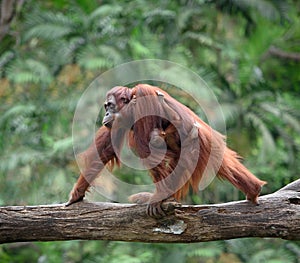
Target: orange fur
193,149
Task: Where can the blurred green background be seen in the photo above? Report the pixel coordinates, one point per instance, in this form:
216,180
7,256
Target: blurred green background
248,51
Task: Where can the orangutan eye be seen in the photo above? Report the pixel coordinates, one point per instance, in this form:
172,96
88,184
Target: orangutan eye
109,105
124,100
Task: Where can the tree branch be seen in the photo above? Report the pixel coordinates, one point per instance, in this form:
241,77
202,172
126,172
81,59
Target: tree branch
278,215
6,15
8,10
283,54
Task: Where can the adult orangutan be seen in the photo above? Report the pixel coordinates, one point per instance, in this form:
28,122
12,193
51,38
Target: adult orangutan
179,149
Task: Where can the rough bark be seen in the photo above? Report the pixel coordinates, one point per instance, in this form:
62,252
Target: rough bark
277,215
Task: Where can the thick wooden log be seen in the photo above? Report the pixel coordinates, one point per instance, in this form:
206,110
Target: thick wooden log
277,215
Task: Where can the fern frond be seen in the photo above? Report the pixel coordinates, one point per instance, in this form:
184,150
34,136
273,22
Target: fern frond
185,15
17,110
48,26
230,111
105,10
203,39
62,145
268,143
138,48
206,252
58,18
29,71
111,53
38,18
285,116
181,55
5,59
99,57
165,14
59,53
47,31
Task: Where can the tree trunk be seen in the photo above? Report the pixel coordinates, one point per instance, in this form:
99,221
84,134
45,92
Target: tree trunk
277,215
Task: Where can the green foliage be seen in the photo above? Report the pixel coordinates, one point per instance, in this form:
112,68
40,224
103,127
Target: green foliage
55,48
99,57
29,71
254,252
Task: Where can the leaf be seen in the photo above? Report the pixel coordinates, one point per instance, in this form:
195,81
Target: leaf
139,48
19,109
185,15
63,145
48,26
99,57
105,10
207,252
165,14
285,116
5,58
48,31
268,144
230,111
203,39
29,71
